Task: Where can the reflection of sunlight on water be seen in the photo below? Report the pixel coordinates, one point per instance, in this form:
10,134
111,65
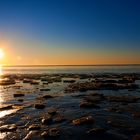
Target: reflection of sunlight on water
7,112
2,135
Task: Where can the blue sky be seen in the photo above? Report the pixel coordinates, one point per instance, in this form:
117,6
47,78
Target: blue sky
113,24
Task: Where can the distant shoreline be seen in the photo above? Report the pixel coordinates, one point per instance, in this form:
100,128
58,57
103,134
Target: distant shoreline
70,65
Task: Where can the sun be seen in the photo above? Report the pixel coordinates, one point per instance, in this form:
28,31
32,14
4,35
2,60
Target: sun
1,53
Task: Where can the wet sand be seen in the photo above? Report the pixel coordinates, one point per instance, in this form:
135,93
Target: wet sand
70,106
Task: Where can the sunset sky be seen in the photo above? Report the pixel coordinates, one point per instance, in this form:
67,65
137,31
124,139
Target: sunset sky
69,32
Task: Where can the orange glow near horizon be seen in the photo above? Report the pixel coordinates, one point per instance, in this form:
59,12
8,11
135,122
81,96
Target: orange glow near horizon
30,52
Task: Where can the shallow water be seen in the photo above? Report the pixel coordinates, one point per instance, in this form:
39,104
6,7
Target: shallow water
67,104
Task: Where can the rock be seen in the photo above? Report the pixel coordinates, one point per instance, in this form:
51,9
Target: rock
45,83
34,83
47,96
94,99
45,89
98,85
83,120
46,120
20,100
86,104
45,134
97,131
34,127
18,95
39,106
69,81
52,111
7,81
32,135
59,119
27,81
8,128
53,132
136,137
6,107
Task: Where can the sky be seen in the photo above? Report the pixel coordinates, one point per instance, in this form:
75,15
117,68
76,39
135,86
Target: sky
69,32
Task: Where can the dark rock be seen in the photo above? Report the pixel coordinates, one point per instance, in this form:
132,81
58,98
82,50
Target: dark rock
34,83
34,127
83,120
8,128
5,107
7,81
69,81
86,104
94,99
20,100
53,132
33,135
39,106
44,89
52,111
47,119
45,83
47,96
18,94
45,134
59,119
84,86
27,81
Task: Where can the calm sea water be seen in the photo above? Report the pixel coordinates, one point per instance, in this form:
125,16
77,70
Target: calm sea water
71,69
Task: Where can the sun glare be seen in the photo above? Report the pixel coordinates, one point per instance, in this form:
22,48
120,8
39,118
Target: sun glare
1,54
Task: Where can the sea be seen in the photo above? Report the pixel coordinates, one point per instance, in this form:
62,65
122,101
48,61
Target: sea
69,69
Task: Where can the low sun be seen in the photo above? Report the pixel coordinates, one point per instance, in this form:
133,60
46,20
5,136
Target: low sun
1,53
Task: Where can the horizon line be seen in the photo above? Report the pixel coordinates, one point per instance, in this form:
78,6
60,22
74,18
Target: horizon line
70,65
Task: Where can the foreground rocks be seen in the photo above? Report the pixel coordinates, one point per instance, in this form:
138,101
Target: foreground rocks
8,128
86,104
83,120
47,119
6,107
53,132
7,81
32,135
18,95
39,106
34,127
46,112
